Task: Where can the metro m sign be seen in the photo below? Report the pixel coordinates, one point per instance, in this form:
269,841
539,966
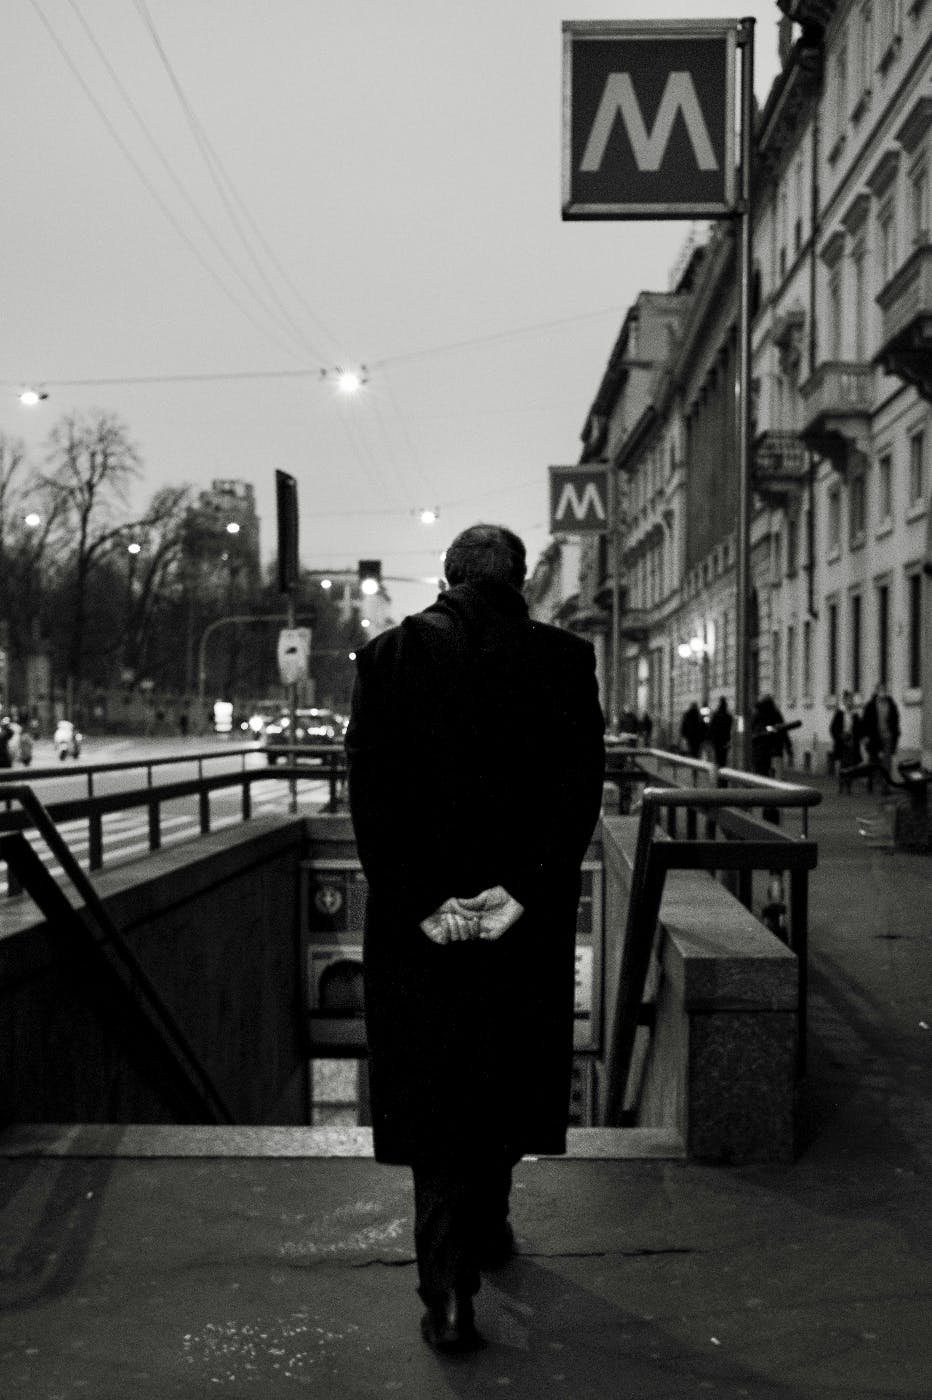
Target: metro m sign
578,500
648,119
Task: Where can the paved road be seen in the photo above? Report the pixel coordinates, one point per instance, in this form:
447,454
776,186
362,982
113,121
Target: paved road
126,834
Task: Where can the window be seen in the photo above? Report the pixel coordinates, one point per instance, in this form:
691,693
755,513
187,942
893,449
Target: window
791,664
834,523
792,545
886,228
857,509
919,203
800,199
889,27
885,488
917,453
784,220
776,665
834,314
859,300
914,659
856,642
883,633
866,50
807,659
832,625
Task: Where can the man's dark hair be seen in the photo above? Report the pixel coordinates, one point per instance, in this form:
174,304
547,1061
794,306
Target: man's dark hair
486,552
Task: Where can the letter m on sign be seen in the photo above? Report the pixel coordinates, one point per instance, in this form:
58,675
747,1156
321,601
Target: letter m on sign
578,500
649,119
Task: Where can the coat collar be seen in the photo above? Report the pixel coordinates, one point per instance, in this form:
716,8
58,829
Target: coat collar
481,600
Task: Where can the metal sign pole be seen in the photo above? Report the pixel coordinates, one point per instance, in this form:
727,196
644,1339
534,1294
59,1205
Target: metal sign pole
614,539
292,717
743,423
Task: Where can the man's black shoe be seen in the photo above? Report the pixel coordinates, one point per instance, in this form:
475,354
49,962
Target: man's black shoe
448,1324
497,1247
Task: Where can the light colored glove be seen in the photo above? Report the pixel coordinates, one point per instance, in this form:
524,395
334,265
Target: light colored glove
496,910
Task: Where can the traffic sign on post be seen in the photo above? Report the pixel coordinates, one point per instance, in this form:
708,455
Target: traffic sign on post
648,119
579,501
294,650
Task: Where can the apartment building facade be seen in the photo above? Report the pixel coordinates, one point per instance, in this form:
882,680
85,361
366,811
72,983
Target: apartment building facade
841,596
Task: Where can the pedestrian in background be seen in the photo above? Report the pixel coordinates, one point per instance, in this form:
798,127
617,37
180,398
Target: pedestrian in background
476,757
693,730
845,731
721,722
881,725
770,743
6,741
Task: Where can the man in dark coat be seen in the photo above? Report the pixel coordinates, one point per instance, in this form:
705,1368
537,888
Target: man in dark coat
476,757
693,730
881,728
721,722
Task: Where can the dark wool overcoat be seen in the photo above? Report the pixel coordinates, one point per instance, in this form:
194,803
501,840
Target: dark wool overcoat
476,757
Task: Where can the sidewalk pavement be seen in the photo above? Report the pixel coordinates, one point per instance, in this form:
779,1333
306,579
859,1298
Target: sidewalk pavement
166,1275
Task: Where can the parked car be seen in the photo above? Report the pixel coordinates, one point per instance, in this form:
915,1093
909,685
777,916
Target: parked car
312,728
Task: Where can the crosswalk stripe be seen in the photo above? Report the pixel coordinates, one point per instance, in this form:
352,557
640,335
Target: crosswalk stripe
120,829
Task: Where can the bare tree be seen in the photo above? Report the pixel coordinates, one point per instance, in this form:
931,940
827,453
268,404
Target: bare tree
92,466
27,521
157,579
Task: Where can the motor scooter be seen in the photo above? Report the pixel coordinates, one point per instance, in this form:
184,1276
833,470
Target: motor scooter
67,740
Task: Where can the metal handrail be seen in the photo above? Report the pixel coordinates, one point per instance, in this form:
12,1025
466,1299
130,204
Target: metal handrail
108,944
652,859
749,782
152,796
114,765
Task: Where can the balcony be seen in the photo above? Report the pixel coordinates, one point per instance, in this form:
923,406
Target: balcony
634,624
780,468
837,408
906,304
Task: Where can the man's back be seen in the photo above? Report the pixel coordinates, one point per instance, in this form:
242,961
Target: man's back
489,729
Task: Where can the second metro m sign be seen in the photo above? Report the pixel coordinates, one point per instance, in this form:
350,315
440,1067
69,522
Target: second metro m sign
649,119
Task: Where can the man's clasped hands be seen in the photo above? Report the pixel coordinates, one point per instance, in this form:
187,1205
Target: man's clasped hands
486,915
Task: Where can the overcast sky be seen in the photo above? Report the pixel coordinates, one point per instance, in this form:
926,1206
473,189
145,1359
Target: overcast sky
207,187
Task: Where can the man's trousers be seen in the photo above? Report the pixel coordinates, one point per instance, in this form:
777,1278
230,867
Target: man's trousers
460,1210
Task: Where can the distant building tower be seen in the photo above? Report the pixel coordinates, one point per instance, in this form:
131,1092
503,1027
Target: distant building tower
222,545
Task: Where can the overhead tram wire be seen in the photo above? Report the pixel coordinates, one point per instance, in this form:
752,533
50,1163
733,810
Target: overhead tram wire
265,306
220,177
362,451
150,187
309,372
412,445
490,339
374,399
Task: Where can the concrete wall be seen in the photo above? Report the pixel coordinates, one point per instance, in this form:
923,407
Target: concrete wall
215,926
720,1066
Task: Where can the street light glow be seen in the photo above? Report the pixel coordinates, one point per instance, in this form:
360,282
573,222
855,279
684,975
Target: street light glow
30,397
352,656
348,381
233,528
369,586
326,583
32,520
134,547
429,517
366,622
